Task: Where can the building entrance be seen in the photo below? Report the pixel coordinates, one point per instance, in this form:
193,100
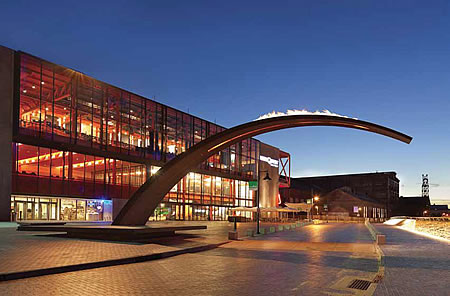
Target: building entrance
34,208
66,209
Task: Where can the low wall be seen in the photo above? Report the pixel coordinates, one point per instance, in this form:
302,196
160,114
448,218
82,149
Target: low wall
378,237
341,218
266,229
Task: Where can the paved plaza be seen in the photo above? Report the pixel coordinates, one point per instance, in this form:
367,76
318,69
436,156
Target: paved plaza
316,259
414,264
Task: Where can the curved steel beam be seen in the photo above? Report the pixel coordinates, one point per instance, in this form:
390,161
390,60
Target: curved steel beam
145,200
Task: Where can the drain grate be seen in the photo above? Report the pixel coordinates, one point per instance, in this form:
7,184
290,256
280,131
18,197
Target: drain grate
360,284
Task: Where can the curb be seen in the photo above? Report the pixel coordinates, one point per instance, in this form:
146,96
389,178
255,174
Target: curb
107,263
379,238
381,261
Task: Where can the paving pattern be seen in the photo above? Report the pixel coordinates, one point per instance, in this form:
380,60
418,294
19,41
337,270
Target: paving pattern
414,264
22,251
318,257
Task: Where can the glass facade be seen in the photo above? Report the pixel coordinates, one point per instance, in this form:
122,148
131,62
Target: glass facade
64,173
65,209
64,106
128,138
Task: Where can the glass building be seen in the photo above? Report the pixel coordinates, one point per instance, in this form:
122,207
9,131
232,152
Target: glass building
81,147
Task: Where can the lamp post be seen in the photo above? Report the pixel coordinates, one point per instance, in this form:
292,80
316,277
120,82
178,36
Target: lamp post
258,210
316,199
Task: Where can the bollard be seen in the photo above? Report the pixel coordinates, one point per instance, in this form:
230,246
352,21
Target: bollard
250,232
271,229
262,231
280,228
381,239
233,235
287,227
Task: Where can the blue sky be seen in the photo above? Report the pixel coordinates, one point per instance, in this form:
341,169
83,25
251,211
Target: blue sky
227,61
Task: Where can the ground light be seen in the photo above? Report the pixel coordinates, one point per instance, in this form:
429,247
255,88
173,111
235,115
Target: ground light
428,235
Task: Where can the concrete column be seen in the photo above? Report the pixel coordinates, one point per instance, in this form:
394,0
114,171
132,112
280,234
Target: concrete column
6,129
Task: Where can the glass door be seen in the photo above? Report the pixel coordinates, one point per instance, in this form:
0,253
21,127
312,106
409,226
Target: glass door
29,214
53,211
20,209
43,211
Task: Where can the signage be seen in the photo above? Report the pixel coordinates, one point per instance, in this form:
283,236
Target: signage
253,185
271,161
355,209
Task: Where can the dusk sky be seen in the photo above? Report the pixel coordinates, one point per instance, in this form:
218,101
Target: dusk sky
229,62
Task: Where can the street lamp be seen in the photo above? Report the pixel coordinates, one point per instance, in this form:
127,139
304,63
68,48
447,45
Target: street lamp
258,210
316,199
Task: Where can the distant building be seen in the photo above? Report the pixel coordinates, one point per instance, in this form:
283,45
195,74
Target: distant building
415,206
381,187
439,210
342,202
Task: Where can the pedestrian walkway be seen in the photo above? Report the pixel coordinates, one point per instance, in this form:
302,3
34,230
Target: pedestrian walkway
25,251
254,266
414,264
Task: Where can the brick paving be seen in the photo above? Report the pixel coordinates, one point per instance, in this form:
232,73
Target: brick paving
22,251
414,264
256,266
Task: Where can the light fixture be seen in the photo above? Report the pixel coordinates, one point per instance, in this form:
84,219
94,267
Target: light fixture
316,198
267,178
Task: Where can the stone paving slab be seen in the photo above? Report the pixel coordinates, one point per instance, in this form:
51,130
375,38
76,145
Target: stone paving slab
224,270
25,251
414,264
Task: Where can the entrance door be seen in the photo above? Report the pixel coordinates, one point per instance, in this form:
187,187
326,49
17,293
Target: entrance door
29,211
53,214
20,210
43,213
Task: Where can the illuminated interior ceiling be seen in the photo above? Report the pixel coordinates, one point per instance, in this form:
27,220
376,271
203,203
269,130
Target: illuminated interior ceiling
145,200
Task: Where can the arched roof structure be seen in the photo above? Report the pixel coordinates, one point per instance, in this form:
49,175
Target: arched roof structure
145,200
